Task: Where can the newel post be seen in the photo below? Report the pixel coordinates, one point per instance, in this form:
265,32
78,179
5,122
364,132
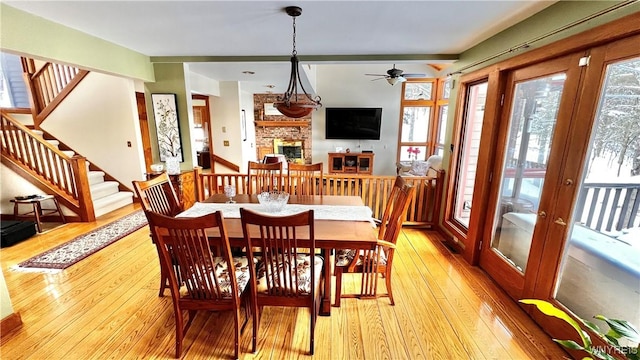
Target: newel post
83,192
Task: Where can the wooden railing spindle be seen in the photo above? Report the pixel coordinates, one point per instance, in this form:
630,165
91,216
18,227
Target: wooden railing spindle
27,152
374,191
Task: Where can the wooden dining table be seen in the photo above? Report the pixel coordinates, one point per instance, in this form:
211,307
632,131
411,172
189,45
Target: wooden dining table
329,234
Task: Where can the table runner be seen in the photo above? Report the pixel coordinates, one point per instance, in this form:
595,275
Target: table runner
321,212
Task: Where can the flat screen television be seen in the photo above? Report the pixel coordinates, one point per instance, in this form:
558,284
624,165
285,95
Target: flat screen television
353,123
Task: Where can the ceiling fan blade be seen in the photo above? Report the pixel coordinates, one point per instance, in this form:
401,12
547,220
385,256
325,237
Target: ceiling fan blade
380,78
375,74
414,75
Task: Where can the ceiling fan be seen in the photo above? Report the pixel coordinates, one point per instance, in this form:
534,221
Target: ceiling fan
395,75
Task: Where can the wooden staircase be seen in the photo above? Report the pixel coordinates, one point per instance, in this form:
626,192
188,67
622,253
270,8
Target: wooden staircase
105,194
48,164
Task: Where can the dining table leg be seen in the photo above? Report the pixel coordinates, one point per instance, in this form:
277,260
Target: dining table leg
325,306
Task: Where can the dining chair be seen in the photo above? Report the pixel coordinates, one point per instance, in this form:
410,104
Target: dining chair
305,179
264,177
286,274
158,195
398,183
209,282
378,261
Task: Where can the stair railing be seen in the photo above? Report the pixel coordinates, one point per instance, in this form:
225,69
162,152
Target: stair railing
49,168
49,85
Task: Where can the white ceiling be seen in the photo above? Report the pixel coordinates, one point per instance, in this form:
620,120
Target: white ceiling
390,29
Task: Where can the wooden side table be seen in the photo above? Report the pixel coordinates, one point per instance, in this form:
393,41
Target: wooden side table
37,211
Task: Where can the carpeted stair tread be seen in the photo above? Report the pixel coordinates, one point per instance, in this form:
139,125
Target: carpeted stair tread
112,202
105,188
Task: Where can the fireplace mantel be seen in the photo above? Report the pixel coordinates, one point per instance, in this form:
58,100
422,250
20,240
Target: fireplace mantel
303,123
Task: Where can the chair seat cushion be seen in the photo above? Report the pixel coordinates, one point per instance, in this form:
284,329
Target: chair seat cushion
221,272
281,265
345,256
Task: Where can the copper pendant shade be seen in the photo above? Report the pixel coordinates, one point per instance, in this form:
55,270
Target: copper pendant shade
292,104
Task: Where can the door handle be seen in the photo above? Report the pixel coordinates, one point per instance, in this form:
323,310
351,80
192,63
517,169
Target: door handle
559,221
542,214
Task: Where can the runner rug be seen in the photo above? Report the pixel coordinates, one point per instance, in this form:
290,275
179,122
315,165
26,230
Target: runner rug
69,253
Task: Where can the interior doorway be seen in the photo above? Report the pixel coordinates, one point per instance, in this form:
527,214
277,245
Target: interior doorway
202,131
144,130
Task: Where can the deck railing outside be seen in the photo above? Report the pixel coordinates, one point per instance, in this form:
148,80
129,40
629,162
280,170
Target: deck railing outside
609,207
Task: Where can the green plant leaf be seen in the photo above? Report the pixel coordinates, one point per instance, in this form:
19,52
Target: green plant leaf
548,309
634,356
612,339
621,327
569,344
591,326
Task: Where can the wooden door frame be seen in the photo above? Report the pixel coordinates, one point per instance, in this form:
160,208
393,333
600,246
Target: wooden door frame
143,120
207,120
490,261
603,35
496,73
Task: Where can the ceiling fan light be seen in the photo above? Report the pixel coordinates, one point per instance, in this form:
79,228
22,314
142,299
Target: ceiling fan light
392,80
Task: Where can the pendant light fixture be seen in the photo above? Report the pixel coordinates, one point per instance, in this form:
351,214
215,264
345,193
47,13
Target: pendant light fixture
292,104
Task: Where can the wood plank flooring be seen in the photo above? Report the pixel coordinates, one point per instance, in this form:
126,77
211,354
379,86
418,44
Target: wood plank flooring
107,307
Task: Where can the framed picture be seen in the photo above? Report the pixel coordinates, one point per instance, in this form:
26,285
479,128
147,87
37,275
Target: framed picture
270,110
165,113
243,125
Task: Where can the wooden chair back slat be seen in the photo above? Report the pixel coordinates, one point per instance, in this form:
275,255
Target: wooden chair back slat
305,179
264,177
158,195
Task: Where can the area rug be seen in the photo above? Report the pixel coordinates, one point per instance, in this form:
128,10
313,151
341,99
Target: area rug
69,253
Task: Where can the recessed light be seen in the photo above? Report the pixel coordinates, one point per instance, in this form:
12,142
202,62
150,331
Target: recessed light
247,72
270,86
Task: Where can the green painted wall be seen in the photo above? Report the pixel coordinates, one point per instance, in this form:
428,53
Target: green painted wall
25,34
548,20
170,78
554,17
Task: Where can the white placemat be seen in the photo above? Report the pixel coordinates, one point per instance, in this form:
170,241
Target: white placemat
321,212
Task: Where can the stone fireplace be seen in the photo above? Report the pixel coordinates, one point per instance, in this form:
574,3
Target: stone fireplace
279,134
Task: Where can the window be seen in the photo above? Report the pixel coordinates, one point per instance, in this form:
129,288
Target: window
13,90
466,158
424,107
442,110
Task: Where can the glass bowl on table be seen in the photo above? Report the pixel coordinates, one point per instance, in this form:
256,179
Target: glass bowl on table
273,201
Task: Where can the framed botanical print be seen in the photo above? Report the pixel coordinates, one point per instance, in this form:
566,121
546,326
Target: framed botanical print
165,113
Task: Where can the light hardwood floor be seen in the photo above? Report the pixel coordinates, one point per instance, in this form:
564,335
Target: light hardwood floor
107,307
